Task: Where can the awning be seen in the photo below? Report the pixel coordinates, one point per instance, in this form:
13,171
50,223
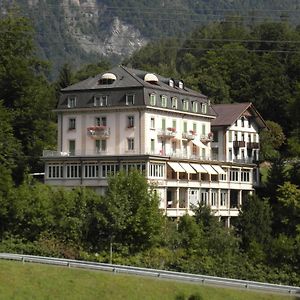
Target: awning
219,169
188,168
176,167
199,144
198,168
210,169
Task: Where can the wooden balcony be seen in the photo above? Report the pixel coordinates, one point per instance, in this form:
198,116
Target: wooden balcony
239,144
252,145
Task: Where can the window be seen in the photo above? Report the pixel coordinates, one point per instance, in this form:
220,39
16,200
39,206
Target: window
224,196
223,177
249,138
152,123
204,108
174,124
164,100
163,124
134,166
195,106
72,147
100,100
152,145
156,170
171,82
245,175
91,170
203,129
174,102
55,171
185,104
214,197
235,136
230,154
72,123
130,121
243,137
215,136
71,101
130,99
100,145
243,121
100,121
236,123
108,169
130,144
152,99
234,175
249,123
180,84
204,196
184,126
73,170
195,127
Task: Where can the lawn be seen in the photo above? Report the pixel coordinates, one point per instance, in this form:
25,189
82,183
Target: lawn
35,281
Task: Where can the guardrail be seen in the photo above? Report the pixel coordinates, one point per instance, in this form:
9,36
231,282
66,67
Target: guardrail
203,279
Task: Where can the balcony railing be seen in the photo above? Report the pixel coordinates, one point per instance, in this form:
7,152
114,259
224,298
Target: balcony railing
189,135
98,131
239,144
167,133
252,145
206,138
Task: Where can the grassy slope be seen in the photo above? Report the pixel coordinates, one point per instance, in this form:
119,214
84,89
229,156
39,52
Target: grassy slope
33,281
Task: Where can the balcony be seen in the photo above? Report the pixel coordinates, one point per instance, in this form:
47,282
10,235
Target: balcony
239,144
205,139
252,145
191,135
98,131
167,133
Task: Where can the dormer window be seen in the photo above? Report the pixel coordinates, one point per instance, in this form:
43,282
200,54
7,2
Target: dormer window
100,100
107,78
164,100
180,84
195,106
174,102
204,108
152,99
71,101
171,83
185,104
130,99
243,121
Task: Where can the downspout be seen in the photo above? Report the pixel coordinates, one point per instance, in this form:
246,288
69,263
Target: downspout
61,132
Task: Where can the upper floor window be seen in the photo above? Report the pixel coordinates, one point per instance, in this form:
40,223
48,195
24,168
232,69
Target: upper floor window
130,121
72,123
130,99
249,123
100,121
216,136
174,102
204,108
152,123
164,101
174,124
72,146
243,121
171,82
130,144
185,104
152,99
180,84
71,101
236,123
195,106
100,100
100,145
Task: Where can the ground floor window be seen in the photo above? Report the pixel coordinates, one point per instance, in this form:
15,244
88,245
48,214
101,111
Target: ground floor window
91,170
73,170
55,171
156,170
224,198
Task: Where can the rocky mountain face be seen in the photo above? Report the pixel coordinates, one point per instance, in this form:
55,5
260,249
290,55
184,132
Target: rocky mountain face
84,31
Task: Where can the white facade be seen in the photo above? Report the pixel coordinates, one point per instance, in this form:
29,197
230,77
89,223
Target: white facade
173,147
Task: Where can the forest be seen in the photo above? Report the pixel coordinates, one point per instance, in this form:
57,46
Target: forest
229,62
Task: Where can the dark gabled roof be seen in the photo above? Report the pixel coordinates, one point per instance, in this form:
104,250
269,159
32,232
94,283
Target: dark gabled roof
228,113
128,77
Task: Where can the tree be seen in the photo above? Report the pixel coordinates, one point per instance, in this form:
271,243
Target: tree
131,214
254,222
271,140
289,205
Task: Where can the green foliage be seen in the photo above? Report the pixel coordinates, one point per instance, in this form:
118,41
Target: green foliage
254,223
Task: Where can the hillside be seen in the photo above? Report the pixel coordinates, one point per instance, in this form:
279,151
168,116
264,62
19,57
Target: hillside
29,281
83,31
